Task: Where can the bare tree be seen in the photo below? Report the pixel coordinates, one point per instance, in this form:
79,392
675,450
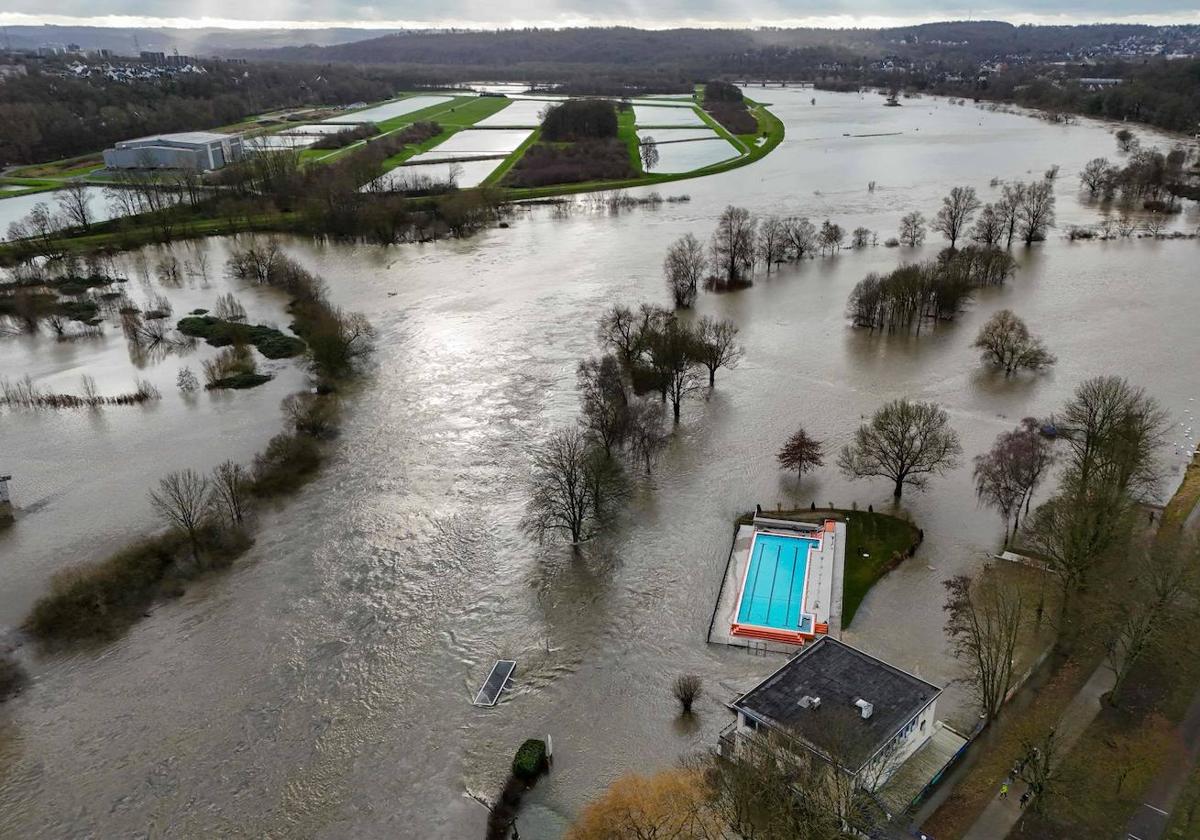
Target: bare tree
801,237
983,624
604,401
684,269
1094,174
905,442
912,229
575,488
230,485
955,214
229,308
1113,432
1126,140
772,241
675,352
75,201
733,244
1036,212
619,329
1076,529
1009,210
861,238
186,380
989,227
182,499
1006,343
646,436
801,452
831,237
649,153
716,346
686,688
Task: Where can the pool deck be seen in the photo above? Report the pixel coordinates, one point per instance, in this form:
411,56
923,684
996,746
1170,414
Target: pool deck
826,571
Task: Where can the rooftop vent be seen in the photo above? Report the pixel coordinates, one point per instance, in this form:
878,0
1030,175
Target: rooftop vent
810,702
866,708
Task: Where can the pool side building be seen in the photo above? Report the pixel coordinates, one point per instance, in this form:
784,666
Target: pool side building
842,706
782,586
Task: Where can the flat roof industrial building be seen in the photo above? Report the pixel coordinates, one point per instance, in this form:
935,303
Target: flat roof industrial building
200,150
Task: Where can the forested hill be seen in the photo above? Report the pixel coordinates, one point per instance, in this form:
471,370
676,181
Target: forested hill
707,51
48,114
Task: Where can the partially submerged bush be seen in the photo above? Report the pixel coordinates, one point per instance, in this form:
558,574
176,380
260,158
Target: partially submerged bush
285,465
12,677
99,599
530,760
686,689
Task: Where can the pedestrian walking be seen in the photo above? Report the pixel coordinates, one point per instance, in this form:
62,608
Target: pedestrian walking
1025,798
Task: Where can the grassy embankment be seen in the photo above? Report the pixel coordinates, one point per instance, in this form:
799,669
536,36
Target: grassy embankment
768,125
876,543
454,116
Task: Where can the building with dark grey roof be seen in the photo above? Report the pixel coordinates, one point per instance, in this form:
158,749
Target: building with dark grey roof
847,707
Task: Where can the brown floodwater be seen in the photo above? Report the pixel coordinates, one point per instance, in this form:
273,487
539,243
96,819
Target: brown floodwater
322,687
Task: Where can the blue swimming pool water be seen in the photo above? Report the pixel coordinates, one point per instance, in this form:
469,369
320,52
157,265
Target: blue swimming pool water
774,591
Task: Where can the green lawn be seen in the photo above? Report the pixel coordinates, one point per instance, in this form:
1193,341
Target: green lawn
879,536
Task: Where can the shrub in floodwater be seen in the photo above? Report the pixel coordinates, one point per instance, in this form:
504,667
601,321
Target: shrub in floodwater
12,677
686,689
287,463
221,333
530,760
100,599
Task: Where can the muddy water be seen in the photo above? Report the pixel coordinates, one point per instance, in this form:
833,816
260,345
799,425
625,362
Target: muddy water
322,687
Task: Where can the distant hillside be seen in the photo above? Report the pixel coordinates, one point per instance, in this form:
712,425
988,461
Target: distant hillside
203,42
722,50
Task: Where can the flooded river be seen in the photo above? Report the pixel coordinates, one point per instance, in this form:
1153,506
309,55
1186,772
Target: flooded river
322,687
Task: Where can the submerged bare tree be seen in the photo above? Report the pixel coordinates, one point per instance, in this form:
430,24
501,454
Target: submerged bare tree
912,229
646,437
182,499
230,488
905,442
1008,473
684,269
983,624
956,213
1007,343
717,346
733,245
575,488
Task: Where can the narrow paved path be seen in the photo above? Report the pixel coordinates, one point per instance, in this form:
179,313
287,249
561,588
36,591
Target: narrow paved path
1152,817
1001,815
1150,820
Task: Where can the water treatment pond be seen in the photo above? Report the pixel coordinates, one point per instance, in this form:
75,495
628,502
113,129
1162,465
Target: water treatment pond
322,688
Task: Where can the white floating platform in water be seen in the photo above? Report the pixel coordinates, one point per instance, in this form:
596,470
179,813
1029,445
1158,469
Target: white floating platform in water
501,673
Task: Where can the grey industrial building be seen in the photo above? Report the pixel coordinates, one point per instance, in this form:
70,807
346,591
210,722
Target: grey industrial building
202,150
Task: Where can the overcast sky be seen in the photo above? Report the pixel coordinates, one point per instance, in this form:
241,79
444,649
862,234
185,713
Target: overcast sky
660,13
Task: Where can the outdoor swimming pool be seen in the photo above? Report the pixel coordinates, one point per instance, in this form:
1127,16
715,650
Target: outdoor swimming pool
773,595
